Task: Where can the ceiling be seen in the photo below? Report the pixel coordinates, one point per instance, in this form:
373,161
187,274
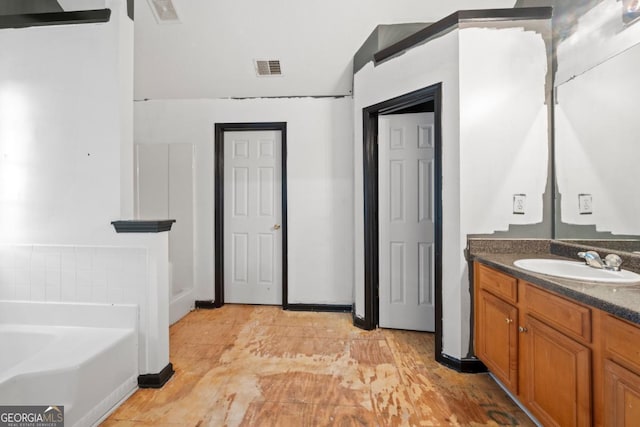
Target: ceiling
210,52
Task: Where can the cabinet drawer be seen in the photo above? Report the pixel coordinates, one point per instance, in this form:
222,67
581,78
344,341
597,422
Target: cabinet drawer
499,284
564,315
621,342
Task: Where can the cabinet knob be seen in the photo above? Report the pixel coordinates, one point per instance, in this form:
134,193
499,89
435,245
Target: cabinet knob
522,329
509,320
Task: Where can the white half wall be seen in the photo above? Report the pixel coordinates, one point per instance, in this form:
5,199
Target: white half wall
494,143
66,167
320,183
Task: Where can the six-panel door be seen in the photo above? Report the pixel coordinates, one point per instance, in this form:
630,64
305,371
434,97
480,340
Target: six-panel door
252,217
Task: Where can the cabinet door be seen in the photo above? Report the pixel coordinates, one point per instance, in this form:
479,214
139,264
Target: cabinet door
622,396
497,338
556,377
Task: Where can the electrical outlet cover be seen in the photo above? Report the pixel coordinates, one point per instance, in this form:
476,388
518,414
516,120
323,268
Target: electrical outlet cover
585,204
519,203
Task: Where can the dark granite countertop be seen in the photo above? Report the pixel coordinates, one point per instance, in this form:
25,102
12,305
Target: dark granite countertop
622,300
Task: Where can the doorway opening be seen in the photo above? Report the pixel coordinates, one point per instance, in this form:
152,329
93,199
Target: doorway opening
428,99
265,149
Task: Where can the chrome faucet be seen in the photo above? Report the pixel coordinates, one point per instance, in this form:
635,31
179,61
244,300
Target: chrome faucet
592,258
610,262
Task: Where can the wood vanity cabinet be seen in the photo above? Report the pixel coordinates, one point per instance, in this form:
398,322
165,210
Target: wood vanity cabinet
621,367
555,376
496,324
537,344
569,364
555,339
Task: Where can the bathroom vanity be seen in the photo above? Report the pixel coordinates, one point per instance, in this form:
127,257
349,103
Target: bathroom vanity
568,350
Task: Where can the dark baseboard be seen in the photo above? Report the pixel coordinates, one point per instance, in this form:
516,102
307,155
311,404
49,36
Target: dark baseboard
360,322
466,365
206,304
156,380
332,308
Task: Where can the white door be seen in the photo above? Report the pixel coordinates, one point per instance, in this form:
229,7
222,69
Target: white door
252,217
406,221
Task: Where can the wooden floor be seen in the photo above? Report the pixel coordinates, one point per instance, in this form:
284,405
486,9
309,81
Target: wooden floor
262,366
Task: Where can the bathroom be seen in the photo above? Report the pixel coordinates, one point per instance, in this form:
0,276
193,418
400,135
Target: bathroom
59,194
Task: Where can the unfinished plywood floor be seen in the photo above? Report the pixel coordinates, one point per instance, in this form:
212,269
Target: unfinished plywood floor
262,366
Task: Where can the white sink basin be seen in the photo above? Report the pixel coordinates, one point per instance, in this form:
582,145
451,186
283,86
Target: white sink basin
577,270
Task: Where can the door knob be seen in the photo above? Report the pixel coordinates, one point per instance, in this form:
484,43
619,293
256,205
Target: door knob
276,227
522,329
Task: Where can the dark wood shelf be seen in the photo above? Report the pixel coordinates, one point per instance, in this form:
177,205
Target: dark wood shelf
451,21
55,18
143,226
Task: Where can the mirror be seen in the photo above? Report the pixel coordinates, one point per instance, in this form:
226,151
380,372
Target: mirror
597,127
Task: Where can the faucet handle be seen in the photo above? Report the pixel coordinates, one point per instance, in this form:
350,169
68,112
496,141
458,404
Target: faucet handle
612,262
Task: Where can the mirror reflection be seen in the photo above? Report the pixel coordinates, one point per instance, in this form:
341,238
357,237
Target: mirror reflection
598,150
597,134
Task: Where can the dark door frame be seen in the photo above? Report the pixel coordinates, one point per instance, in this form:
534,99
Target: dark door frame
220,129
370,179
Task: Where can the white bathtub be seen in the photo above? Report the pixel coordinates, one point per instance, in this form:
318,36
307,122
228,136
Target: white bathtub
81,356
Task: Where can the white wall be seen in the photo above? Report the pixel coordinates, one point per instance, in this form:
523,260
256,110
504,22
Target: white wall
504,135
320,183
422,66
494,138
66,166
504,130
66,171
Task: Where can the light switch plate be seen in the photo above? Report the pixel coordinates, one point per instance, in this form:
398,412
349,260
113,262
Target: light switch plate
585,204
519,203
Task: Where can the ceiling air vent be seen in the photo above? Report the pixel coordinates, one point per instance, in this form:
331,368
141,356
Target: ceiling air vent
268,67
